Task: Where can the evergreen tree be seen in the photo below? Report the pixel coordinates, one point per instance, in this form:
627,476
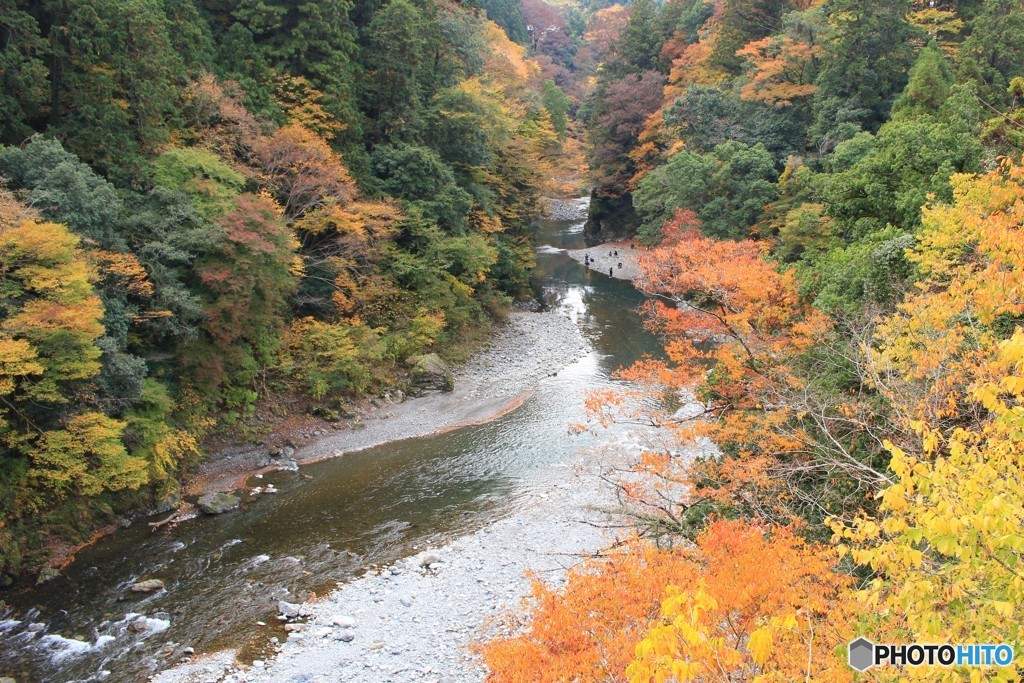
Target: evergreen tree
24,84
993,54
557,105
868,54
395,57
928,86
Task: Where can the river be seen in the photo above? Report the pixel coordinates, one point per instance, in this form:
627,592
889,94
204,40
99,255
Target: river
329,523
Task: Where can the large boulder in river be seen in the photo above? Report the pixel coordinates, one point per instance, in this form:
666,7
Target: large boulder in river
148,586
217,503
429,371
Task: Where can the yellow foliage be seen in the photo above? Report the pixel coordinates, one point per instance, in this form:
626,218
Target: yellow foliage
946,545
86,458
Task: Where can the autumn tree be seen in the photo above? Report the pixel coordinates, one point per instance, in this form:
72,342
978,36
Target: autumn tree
743,601
951,359
762,605
760,392
245,282
302,172
781,70
738,23
618,120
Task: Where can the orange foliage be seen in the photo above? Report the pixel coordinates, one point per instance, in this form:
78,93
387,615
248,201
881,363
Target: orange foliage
655,143
505,63
126,269
589,630
302,171
350,240
755,605
734,326
691,67
750,582
779,69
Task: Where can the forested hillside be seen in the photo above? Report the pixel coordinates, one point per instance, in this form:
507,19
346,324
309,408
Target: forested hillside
208,205
832,195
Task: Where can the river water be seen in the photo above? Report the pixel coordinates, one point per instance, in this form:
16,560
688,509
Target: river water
330,522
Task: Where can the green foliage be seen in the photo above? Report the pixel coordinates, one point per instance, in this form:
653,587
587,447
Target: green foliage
162,294
23,73
728,188
150,434
557,105
116,88
872,271
168,234
460,129
64,189
708,116
993,53
692,18
245,282
928,86
507,15
210,182
805,231
868,55
315,40
895,173
418,175
395,57
639,47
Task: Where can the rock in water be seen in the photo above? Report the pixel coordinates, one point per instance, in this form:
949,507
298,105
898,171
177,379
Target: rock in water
48,574
139,626
288,609
148,586
430,372
217,503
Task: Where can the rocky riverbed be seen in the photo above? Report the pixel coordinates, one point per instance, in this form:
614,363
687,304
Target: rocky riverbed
568,209
419,619
619,259
529,347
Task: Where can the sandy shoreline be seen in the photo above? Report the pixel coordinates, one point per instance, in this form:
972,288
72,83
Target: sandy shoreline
618,259
419,619
494,382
